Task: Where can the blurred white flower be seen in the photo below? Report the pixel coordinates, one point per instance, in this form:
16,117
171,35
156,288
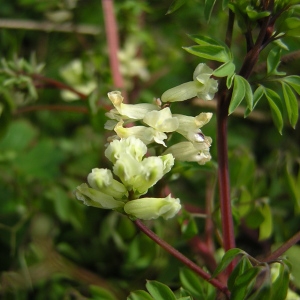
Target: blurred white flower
152,208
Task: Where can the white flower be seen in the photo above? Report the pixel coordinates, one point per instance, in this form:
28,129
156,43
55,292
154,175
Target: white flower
202,86
146,134
92,197
189,127
129,111
152,208
131,145
102,180
188,151
162,120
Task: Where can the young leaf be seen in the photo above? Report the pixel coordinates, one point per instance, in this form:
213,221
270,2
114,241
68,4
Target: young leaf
244,283
259,92
238,93
228,257
159,291
266,227
229,80
273,62
226,69
208,7
176,4
191,282
291,104
204,40
294,82
139,295
275,105
212,52
248,94
243,265
281,284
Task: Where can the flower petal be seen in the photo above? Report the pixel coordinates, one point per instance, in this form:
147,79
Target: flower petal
152,208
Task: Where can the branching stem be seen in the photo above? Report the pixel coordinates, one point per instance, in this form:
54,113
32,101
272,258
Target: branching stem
191,265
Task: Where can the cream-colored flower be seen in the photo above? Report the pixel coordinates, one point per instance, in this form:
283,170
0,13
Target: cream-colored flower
92,197
189,127
202,86
188,151
153,208
130,111
103,181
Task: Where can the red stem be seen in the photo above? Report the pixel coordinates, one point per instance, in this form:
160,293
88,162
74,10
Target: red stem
283,248
113,43
191,265
57,84
70,108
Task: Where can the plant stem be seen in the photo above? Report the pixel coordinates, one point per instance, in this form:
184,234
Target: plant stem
223,175
191,265
113,44
49,82
69,108
283,248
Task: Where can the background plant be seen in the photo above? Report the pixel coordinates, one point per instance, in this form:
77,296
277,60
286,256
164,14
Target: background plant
50,244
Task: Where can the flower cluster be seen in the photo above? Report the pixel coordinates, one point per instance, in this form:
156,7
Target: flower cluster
126,150
136,175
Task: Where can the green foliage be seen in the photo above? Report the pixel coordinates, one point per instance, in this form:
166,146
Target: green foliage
52,115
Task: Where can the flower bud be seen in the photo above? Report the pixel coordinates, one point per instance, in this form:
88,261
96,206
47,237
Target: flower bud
91,197
102,180
131,145
152,208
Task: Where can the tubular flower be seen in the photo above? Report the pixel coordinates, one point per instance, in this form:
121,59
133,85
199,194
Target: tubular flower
189,127
92,197
102,180
202,86
128,111
136,175
152,208
188,151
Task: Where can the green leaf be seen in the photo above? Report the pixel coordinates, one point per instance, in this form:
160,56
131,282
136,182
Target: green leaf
224,4
264,291
176,4
275,105
254,218
226,69
291,104
273,62
243,265
294,82
208,7
212,52
204,40
139,295
228,257
266,227
159,291
281,284
259,92
244,283
101,293
229,80
238,93
293,184
189,228
193,283
248,94
198,287
255,15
